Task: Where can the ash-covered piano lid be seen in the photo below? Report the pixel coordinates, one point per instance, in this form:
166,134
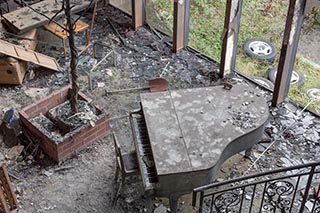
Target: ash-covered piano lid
188,129
192,131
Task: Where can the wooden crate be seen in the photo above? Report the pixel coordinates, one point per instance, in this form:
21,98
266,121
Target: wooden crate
12,71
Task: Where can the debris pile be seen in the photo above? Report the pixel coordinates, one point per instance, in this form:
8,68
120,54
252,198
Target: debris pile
66,120
245,120
85,182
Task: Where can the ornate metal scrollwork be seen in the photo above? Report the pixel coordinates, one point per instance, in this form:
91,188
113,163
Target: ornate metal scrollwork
227,202
317,210
277,196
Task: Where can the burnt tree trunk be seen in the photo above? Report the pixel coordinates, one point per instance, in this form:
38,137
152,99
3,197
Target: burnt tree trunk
74,58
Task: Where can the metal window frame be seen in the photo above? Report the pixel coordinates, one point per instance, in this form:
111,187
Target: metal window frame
230,37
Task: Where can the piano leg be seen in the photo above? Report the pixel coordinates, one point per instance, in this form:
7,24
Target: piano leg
173,201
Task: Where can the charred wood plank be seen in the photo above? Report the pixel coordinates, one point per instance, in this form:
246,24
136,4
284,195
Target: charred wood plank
25,19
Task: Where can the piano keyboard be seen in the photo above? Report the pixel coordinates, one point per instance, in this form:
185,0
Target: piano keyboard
144,152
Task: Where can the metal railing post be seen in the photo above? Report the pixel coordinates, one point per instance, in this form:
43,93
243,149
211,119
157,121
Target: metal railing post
201,201
306,191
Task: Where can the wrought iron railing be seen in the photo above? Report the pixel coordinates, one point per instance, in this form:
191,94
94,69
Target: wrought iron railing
292,189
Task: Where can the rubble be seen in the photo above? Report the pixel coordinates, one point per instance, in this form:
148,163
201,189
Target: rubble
14,152
87,183
36,93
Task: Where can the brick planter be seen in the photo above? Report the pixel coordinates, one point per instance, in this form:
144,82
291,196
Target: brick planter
61,148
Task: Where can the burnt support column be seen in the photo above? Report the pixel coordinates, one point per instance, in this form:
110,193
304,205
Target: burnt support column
180,24
230,36
138,14
288,50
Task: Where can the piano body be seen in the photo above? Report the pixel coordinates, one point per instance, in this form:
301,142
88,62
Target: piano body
182,137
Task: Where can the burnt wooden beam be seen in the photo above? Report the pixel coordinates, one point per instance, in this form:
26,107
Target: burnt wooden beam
8,200
230,36
138,14
289,49
180,24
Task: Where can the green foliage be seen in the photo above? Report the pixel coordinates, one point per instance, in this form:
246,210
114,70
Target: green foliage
312,76
206,26
159,14
312,19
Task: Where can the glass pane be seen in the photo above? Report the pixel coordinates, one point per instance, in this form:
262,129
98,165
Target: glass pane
305,86
159,14
261,33
206,26
124,5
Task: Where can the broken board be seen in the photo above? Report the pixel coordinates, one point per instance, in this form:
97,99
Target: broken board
24,54
25,19
8,200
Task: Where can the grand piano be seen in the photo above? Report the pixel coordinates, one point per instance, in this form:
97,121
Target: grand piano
182,137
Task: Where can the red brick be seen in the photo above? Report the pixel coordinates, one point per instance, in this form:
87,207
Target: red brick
30,108
55,93
32,129
88,143
50,144
42,110
77,146
23,117
40,101
64,92
47,145
103,126
64,145
70,145
77,141
56,100
101,133
89,138
101,120
49,150
64,153
44,102
78,135
23,114
52,155
90,131
32,115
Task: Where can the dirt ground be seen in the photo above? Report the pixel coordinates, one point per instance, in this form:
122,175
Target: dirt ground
309,45
85,183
